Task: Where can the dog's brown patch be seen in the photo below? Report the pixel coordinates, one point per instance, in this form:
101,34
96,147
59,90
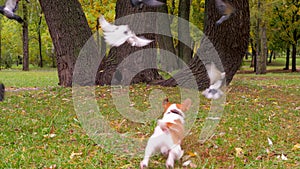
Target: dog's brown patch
177,131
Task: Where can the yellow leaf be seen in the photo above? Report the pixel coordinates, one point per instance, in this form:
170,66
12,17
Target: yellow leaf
296,147
239,152
73,154
192,154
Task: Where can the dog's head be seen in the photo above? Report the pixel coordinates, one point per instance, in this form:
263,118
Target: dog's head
176,108
173,119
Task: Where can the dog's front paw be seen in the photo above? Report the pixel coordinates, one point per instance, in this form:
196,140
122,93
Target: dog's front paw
143,165
169,166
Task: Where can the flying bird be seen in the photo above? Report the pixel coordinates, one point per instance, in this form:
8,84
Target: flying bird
225,9
216,78
140,3
117,35
9,10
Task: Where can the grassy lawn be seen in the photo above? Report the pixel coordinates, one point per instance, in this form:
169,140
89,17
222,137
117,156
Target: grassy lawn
257,108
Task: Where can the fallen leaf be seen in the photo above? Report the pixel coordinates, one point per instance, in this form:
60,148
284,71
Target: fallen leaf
185,164
270,142
282,157
239,152
296,147
258,157
51,167
192,165
49,135
192,154
73,154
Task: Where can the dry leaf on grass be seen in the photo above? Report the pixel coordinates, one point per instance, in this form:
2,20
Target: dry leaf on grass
73,154
296,147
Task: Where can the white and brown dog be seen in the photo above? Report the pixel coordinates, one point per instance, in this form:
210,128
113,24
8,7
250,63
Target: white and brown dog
168,134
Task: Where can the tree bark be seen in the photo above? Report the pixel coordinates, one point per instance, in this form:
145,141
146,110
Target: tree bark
294,51
184,51
108,67
228,41
69,31
25,38
40,39
294,54
166,42
262,58
287,60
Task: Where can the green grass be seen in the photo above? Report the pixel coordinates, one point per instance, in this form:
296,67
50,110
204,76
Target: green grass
257,108
32,78
276,64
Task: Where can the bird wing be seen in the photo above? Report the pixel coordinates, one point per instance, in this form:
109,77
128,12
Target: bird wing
138,41
11,5
115,35
106,26
152,2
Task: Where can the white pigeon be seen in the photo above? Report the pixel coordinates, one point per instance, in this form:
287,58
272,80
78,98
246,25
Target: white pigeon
216,78
9,10
117,35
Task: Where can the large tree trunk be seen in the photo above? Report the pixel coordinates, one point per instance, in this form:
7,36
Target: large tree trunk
228,41
110,67
69,31
25,38
184,51
166,42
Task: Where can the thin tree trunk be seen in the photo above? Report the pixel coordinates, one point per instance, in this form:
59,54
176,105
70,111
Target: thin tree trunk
25,38
0,43
262,59
287,60
270,57
69,31
294,51
254,54
40,39
294,54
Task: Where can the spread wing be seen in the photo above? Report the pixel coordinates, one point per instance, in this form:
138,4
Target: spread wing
138,41
117,35
114,35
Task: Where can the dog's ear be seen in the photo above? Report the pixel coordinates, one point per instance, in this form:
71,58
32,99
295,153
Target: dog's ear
166,104
185,105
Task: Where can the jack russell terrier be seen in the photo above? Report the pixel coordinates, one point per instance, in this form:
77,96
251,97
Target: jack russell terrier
168,134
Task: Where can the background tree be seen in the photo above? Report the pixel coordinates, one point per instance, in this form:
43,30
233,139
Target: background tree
69,31
288,19
230,39
109,64
25,38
